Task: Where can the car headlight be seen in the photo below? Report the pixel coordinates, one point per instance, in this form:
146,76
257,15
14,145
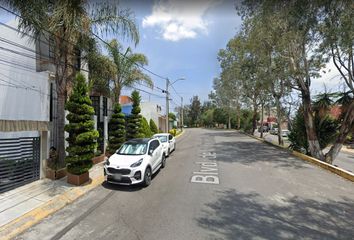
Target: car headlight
107,162
137,164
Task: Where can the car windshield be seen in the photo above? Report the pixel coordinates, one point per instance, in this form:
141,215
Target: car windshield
133,149
162,138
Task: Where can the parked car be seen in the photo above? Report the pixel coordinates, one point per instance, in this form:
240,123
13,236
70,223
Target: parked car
168,142
265,129
274,131
285,133
135,162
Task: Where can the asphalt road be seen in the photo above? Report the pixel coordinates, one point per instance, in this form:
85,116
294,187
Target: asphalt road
257,192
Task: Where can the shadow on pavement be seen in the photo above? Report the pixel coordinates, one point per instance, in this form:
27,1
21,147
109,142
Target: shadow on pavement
124,188
237,215
238,148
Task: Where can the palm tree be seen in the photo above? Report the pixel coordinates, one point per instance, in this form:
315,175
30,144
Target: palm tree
128,72
67,22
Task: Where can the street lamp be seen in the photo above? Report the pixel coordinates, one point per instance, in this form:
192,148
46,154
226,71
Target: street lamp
167,100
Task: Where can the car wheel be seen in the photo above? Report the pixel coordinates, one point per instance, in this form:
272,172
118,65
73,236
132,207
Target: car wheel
147,177
163,161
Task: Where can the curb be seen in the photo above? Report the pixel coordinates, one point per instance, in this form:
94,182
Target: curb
339,171
29,219
180,134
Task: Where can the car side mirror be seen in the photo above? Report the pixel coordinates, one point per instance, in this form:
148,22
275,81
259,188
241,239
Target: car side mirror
151,151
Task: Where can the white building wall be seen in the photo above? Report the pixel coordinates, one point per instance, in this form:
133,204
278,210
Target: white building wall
24,93
149,110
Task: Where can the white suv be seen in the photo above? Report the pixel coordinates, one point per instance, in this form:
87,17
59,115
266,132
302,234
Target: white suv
135,162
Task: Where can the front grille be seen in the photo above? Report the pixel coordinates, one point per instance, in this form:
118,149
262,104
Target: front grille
122,171
125,180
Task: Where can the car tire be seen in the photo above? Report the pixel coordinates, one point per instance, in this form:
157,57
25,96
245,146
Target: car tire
147,177
163,161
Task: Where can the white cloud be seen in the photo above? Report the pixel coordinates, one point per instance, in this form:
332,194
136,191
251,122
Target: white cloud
179,20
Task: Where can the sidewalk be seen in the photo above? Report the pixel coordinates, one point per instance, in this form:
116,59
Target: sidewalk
344,160
31,198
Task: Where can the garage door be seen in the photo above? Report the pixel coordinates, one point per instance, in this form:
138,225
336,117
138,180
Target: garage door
19,162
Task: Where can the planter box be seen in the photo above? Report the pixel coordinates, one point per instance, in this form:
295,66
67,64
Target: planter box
78,179
55,174
98,159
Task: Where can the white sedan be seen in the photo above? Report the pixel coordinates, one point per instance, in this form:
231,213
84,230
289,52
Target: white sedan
168,142
135,162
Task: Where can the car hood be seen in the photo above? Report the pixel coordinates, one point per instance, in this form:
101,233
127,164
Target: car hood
122,161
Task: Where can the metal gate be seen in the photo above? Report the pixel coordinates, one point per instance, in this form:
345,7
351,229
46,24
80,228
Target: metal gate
19,162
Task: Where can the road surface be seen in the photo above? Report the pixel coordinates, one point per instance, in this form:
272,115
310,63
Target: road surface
256,192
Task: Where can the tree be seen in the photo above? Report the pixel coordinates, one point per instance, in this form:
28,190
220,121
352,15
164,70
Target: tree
67,23
128,70
145,128
153,127
194,111
82,136
134,120
116,129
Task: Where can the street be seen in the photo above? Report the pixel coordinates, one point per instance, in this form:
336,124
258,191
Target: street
255,191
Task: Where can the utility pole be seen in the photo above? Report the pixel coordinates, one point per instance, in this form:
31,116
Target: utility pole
181,113
167,104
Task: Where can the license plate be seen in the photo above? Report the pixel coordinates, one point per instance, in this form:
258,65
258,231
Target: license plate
117,177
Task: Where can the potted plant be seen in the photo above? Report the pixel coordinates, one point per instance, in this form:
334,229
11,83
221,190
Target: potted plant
53,170
82,135
98,157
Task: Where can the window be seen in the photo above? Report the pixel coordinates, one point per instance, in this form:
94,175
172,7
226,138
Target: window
170,137
153,145
133,149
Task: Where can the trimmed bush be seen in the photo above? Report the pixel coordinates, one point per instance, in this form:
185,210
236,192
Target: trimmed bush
153,127
145,128
82,135
134,120
116,129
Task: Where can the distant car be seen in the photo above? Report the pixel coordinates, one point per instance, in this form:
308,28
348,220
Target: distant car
285,133
168,142
265,129
274,131
135,162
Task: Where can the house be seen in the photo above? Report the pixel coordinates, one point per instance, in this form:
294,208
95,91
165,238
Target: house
149,110
26,100
27,105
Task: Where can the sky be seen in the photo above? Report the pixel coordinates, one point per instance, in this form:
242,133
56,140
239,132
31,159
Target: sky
181,39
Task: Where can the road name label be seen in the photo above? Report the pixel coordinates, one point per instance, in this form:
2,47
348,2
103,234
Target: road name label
208,172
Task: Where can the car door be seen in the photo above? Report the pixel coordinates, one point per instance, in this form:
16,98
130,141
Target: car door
171,142
154,155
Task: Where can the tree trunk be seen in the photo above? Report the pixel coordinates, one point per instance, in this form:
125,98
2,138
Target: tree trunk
229,121
262,120
238,117
346,127
254,119
314,145
280,137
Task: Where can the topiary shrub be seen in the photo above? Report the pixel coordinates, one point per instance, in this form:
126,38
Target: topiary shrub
145,128
153,127
116,129
173,132
82,135
134,120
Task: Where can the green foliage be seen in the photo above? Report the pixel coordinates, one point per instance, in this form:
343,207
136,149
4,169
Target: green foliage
82,136
246,120
116,129
145,128
134,120
326,131
173,132
172,116
153,127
